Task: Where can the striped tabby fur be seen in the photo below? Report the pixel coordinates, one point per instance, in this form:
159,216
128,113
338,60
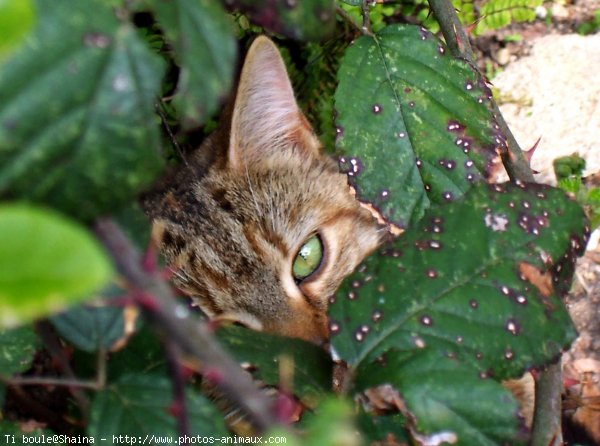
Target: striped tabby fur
232,220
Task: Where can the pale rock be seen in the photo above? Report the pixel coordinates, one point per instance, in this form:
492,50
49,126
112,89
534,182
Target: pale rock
554,93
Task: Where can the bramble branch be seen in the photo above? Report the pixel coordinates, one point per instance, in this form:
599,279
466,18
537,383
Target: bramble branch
548,384
175,321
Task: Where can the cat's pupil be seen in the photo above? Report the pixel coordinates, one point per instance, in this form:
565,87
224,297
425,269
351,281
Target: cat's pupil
308,258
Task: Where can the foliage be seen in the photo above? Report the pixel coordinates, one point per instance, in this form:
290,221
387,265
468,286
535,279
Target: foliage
479,17
468,296
411,90
140,405
569,175
16,19
47,263
591,26
495,14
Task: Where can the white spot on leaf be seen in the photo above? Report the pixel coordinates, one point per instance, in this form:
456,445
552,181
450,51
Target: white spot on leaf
498,222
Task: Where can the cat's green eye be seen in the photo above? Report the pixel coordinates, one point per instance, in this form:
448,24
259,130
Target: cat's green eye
308,258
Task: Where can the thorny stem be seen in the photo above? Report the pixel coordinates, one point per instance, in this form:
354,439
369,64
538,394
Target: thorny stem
46,381
546,423
193,338
54,347
458,43
546,428
348,18
366,25
177,379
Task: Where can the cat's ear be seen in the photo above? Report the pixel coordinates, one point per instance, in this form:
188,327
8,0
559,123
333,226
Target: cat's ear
266,119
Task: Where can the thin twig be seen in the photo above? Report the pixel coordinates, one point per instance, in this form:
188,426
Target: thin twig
366,26
193,337
547,416
458,43
54,347
348,18
173,355
37,410
46,381
167,127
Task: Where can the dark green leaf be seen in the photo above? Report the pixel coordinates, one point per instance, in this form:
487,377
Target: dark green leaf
16,20
312,366
205,49
437,391
77,126
47,263
382,428
143,354
468,281
302,20
17,347
90,328
139,405
413,122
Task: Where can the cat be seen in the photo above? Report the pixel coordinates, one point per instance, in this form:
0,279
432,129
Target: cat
259,225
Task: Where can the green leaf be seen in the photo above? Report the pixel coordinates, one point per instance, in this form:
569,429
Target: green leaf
500,13
438,392
332,425
413,122
205,50
312,366
77,125
568,166
468,282
143,354
378,429
139,406
301,20
16,20
47,264
17,347
90,328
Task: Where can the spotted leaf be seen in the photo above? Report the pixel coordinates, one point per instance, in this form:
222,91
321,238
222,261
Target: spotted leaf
436,397
413,122
303,20
76,111
477,280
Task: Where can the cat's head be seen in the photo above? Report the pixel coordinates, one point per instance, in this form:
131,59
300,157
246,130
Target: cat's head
261,228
